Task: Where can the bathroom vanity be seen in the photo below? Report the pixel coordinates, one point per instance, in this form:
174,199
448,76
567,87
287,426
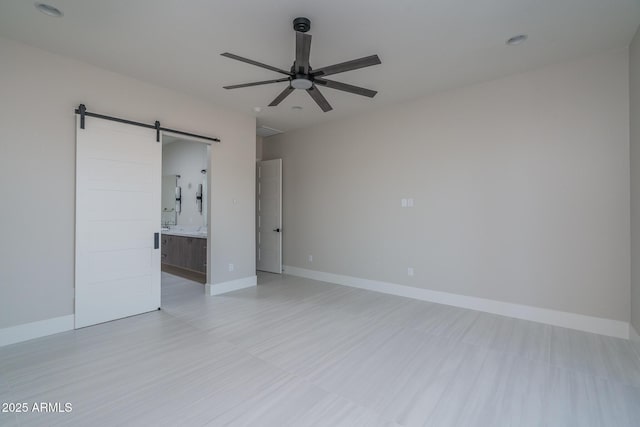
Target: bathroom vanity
184,247
184,252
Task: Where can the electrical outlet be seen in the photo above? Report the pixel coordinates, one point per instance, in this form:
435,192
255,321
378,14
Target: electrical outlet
410,271
410,203
231,267
310,258
403,203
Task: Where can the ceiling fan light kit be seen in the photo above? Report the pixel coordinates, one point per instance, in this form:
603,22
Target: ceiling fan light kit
302,76
301,83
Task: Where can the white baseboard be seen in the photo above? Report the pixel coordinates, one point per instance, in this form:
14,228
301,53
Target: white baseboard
29,331
230,286
633,334
598,325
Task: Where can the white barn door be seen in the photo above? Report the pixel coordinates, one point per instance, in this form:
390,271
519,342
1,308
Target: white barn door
118,186
269,191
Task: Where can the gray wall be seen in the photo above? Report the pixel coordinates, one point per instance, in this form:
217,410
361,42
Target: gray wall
634,80
521,189
38,92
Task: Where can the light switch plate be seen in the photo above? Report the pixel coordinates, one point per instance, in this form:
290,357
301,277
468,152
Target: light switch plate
410,203
403,202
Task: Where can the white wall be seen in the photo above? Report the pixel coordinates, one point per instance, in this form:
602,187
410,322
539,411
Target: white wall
634,90
521,189
187,159
38,92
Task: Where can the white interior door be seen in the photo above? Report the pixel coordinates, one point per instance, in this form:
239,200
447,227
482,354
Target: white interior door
269,216
118,191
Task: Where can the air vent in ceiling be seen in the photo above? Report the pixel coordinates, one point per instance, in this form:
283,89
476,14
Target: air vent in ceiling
265,131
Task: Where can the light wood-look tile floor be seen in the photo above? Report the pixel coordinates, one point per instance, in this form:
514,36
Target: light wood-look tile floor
298,352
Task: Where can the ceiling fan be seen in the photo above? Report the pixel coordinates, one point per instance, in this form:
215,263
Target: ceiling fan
302,76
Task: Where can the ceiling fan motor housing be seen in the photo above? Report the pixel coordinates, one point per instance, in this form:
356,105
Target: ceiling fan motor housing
301,25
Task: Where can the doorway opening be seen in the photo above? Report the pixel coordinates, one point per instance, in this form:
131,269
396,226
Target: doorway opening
185,213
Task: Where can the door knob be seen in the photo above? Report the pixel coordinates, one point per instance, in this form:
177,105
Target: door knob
277,230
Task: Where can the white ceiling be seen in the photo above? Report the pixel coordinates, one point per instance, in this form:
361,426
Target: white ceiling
425,45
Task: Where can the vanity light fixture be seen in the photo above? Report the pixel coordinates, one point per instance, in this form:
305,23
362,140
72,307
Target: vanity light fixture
178,198
199,198
49,10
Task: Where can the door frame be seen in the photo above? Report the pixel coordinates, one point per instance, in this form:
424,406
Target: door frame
209,200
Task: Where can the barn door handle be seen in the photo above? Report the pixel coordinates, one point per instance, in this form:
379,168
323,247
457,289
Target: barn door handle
277,230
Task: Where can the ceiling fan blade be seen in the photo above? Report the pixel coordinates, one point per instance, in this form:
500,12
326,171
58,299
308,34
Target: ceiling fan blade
286,92
256,63
354,64
265,82
320,100
346,87
303,49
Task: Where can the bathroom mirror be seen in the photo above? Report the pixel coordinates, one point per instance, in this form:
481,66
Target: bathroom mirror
169,214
